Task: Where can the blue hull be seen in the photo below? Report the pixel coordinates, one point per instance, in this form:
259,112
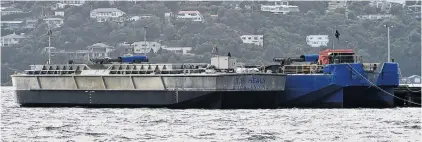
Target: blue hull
342,86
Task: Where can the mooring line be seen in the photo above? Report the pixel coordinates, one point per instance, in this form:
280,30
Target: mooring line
381,88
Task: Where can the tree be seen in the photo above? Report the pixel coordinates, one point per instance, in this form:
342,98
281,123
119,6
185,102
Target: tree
174,6
80,42
169,32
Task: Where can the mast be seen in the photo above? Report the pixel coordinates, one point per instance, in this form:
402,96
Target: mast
49,44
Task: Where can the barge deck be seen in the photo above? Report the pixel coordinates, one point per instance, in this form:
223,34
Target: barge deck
409,92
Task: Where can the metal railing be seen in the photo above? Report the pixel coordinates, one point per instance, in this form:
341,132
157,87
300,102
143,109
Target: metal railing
338,59
371,67
302,69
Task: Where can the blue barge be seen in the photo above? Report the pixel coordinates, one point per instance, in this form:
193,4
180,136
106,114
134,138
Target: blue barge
337,79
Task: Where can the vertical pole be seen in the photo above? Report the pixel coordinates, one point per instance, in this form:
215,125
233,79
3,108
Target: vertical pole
49,45
347,43
218,63
130,47
388,44
218,58
333,39
145,39
49,49
252,7
345,12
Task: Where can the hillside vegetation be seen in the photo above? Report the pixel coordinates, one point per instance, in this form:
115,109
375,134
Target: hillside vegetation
284,35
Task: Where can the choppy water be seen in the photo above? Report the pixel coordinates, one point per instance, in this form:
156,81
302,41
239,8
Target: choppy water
82,124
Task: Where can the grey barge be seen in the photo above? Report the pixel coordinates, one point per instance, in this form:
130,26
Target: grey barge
409,92
131,84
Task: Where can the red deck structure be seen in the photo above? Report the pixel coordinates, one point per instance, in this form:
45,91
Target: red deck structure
324,55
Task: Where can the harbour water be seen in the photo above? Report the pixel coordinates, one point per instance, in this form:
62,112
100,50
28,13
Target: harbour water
144,124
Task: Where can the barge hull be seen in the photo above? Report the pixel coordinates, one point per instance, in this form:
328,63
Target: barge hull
368,97
152,98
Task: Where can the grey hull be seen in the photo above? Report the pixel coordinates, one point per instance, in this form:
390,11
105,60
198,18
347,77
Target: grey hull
153,98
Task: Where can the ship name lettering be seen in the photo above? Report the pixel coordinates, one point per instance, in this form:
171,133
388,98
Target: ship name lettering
252,83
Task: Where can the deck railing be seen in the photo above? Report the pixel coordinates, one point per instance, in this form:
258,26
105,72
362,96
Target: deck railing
338,59
302,69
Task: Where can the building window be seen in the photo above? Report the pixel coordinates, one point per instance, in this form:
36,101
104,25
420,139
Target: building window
255,38
243,37
249,38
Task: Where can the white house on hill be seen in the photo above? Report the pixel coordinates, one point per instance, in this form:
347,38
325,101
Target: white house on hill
11,10
54,22
414,79
253,39
179,50
99,50
282,7
142,47
11,39
334,4
106,14
191,15
317,40
375,16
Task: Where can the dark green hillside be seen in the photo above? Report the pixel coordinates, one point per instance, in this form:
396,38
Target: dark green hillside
284,35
